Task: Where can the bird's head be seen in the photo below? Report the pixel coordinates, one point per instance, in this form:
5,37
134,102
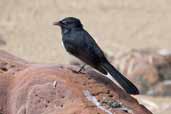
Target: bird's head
69,23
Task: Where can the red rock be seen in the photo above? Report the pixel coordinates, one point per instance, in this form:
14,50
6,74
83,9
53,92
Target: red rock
49,89
162,88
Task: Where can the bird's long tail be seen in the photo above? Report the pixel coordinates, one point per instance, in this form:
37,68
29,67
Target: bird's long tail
123,81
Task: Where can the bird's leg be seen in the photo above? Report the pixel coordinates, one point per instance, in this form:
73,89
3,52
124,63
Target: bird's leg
82,67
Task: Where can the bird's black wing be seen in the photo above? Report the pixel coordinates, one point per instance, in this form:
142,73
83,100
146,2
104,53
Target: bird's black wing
91,52
92,48
83,46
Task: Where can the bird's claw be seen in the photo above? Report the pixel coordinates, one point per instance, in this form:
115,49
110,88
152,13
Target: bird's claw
81,68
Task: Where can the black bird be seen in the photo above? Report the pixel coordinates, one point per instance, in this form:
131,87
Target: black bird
78,42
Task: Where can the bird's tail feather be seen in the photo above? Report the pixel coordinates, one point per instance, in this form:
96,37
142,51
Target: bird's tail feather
123,81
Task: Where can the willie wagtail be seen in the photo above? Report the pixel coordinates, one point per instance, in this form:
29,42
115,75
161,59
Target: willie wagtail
78,42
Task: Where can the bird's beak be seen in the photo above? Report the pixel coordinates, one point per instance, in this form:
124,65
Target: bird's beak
57,23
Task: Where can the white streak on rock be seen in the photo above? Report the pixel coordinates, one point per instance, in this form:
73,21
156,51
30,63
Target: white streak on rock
94,101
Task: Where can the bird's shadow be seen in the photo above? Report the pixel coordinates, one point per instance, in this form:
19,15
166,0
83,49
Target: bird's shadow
100,78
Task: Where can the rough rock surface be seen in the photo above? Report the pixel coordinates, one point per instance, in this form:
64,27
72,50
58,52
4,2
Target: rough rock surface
27,88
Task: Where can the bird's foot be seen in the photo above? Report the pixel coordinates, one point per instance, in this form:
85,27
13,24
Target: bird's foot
81,68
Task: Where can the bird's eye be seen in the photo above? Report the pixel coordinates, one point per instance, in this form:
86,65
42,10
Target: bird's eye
66,22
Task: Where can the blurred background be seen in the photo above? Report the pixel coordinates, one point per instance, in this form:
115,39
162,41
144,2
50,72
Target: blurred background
135,35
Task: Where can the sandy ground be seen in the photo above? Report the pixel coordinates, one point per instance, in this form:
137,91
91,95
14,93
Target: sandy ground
26,28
